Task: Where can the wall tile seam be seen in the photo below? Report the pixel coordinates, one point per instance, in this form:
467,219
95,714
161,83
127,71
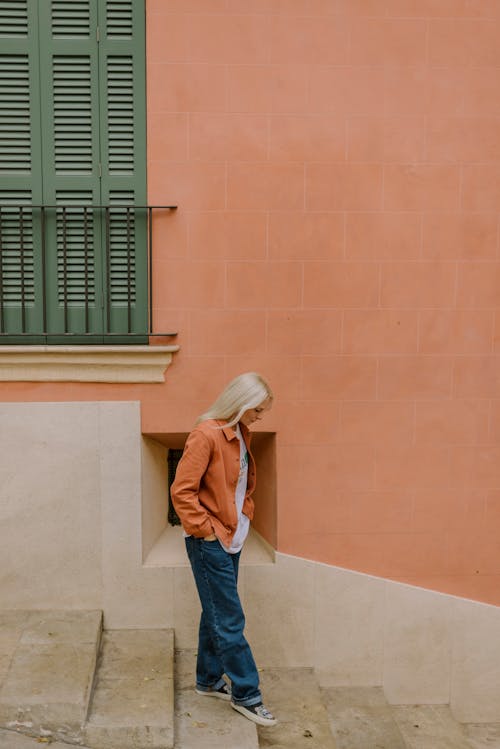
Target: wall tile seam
347,263
327,162
346,118
384,264
345,115
450,164
386,14
313,66
491,433
193,212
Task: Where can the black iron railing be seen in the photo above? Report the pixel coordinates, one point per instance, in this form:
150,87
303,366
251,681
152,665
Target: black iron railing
61,263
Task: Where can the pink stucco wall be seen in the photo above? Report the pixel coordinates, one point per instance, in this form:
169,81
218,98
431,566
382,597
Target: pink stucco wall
336,164
337,169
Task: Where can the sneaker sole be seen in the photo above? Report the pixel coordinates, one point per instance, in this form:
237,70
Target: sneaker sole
219,695
251,716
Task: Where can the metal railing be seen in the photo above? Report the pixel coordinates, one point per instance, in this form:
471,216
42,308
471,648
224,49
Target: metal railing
31,274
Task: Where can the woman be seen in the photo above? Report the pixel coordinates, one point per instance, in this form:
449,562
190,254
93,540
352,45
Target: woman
212,496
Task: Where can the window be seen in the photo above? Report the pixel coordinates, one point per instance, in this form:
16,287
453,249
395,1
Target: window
73,222
174,456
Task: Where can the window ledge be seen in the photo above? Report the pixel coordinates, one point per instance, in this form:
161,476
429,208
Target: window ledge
85,363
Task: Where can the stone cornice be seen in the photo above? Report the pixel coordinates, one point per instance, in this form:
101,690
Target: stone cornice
85,363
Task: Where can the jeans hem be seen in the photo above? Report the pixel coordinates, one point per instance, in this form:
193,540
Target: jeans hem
248,702
218,684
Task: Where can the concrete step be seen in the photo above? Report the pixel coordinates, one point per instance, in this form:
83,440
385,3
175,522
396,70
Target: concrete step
294,697
430,727
434,727
133,701
206,722
483,735
47,664
361,718
13,740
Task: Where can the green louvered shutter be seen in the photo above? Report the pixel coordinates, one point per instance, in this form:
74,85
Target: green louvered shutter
123,117
20,169
70,163
74,71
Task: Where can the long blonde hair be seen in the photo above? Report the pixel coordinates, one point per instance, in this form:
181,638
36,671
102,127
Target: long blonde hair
246,391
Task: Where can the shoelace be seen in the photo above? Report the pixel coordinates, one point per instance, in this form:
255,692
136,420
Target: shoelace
263,712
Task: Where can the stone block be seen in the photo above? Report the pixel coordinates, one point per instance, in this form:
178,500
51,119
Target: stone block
294,697
47,687
361,717
132,704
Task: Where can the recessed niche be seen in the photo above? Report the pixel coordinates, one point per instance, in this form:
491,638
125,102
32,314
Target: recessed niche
163,543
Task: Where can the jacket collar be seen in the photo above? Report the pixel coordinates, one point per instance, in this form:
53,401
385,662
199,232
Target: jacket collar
230,432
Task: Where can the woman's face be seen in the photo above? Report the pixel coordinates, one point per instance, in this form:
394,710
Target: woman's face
256,414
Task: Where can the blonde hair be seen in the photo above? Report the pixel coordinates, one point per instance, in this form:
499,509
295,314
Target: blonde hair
246,391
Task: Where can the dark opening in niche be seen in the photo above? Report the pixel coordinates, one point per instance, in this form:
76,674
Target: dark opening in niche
174,455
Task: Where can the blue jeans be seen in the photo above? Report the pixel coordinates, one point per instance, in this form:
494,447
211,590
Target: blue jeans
222,647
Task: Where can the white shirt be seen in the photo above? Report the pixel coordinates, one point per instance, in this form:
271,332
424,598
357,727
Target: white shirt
241,489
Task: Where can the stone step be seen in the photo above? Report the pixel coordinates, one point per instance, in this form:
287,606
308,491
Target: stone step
294,697
13,740
434,727
133,701
47,664
361,717
206,722
483,735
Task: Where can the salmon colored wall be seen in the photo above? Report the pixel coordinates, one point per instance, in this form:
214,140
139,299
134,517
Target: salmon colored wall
336,164
337,167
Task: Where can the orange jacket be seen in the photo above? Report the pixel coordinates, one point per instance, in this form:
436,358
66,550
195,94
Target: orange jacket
203,492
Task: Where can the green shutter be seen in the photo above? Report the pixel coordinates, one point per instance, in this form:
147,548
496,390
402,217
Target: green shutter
71,157
123,118
14,19
76,74
20,173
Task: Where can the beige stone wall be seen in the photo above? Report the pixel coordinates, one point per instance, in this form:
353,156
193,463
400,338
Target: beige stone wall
421,646
50,505
82,526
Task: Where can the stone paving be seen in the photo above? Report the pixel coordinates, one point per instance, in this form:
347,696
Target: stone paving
361,718
61,682
206,722
49,660
13,740
293,695
49,689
